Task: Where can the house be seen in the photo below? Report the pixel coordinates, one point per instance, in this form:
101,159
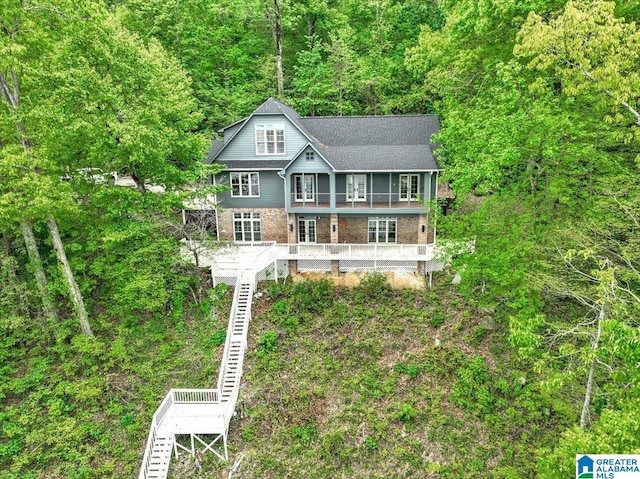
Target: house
363,180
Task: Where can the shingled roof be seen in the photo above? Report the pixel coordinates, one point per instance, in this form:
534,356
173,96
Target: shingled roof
357,143
374,143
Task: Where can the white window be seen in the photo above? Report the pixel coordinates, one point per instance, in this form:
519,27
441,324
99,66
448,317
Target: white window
245,184
269,139
246,227
308,156
382,230
409,187
304,187
356,187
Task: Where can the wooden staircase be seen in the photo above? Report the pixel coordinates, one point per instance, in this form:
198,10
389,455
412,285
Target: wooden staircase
160,458
200,412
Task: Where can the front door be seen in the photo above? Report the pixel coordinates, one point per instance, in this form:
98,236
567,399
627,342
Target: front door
306,231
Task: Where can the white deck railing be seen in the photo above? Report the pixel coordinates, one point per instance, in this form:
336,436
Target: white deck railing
418,252
195,396
158,416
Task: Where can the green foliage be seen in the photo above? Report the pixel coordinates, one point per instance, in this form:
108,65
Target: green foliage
219,338
406,413
474,389
305,434
267,343
373,287
616,432
410,370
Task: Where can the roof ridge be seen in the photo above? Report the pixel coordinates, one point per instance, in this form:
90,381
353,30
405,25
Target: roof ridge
369,116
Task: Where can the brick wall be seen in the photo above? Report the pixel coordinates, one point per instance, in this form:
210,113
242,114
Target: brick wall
353,229
273,222
407,231
275,227
323,229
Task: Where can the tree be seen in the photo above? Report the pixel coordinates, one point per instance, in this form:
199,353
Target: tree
223,45
600,276
14,47
591,52
273,10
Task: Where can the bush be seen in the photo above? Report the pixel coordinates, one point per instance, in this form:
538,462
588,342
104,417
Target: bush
406,413
373,286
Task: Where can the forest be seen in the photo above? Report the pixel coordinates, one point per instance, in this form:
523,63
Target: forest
539,106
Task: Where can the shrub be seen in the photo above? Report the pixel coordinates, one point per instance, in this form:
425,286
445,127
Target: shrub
406,413
219,337
373,286
267,343
305,434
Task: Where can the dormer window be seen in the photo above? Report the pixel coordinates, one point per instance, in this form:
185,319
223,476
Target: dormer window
308,156
269,139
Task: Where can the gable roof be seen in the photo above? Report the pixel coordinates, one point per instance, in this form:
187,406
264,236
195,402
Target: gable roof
376,143
353,143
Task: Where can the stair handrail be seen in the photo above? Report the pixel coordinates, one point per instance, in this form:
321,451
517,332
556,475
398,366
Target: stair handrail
227,343
158,416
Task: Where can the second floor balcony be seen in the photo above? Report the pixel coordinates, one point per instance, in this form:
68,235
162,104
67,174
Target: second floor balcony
371,191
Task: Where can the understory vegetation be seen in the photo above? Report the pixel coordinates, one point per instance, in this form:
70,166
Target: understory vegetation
77,407
370,382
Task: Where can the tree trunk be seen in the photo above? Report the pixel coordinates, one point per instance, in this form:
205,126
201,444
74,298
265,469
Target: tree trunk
38,270
76,296
592,369
10,92
275,22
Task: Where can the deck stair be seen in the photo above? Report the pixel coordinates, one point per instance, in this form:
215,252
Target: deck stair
202,415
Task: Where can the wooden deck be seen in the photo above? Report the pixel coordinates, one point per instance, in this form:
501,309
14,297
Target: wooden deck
195,419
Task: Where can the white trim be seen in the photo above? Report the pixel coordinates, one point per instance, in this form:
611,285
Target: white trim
359,195
387,220
262,130
249,174
250,221
409,196
307,222
306,195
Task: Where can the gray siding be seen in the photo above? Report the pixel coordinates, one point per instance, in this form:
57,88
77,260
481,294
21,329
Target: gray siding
302,165
323,186
228,133
271,192
243,145
380,188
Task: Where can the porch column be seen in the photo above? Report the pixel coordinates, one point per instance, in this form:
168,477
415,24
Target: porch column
332,190
334,228
335,264
287,191
423,229
292,229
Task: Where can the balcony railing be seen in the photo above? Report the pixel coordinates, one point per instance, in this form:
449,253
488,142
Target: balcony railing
368,200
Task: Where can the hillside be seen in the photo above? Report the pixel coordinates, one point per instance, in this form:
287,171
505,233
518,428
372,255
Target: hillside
370,382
